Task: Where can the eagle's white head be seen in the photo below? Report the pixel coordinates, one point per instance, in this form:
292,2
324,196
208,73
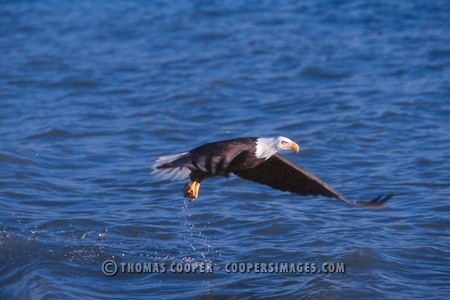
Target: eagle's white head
266,147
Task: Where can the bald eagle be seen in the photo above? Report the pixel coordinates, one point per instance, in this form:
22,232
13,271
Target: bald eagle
255,159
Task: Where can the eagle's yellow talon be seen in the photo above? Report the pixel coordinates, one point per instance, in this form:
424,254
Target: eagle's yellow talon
191,190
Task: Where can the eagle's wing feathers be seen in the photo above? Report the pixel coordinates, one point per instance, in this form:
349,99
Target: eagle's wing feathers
280,173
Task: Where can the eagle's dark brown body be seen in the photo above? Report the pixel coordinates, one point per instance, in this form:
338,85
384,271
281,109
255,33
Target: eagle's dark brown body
219,158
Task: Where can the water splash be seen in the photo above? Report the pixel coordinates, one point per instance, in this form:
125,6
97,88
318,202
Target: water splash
200,248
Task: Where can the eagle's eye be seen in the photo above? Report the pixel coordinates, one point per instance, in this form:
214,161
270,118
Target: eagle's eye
283,142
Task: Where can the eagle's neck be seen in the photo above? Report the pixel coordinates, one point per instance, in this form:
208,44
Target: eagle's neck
265,148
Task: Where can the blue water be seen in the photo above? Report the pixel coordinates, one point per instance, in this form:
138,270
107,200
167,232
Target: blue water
92,92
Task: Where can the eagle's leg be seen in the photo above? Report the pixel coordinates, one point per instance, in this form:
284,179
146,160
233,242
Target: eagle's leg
190,190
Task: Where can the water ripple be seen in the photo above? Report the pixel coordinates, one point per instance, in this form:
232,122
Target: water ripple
91,95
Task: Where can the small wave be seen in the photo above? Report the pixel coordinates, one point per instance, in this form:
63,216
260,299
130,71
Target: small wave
319,73
54,132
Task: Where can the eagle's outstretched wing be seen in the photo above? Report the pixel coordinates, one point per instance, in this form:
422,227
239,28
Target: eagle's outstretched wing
280,173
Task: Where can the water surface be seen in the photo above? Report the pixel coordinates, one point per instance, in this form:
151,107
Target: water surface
91,93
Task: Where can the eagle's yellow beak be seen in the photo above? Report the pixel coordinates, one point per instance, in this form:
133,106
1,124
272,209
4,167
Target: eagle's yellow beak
294,146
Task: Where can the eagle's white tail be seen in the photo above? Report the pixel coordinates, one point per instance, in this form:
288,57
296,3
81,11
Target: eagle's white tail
172,173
